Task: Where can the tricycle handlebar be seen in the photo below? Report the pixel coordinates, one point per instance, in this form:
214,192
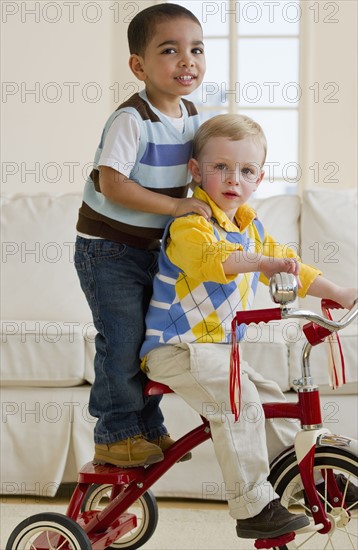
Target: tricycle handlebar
319,326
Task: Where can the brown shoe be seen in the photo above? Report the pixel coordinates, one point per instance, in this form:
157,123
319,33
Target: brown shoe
165,441
273,521
134,451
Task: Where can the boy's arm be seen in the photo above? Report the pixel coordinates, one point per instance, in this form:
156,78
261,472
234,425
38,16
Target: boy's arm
118,188
270,258
323,288
241,261
320,287
194,248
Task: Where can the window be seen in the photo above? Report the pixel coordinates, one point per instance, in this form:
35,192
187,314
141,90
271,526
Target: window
252,50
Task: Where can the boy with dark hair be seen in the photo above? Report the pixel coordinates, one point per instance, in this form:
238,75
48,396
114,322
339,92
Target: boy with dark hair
142,28
140,179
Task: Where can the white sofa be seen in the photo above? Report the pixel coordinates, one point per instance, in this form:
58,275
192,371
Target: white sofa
47,340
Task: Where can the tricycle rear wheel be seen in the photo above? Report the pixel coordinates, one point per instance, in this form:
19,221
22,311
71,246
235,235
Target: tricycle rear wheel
48,531
145,509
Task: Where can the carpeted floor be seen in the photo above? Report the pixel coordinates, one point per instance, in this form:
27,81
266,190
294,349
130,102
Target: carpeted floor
182,525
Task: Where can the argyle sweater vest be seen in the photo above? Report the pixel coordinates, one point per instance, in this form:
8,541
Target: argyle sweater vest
186,310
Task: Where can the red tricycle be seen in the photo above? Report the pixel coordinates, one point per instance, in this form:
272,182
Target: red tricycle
113,508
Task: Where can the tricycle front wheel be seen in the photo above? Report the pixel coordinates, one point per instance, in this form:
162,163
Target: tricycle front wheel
286,480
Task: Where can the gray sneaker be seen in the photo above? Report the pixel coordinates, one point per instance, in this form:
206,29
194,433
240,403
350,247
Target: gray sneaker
273,521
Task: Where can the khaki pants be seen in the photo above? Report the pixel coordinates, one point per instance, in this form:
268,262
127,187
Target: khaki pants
199,373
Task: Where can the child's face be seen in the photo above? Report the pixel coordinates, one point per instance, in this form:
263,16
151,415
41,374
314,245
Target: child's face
229,171
173,64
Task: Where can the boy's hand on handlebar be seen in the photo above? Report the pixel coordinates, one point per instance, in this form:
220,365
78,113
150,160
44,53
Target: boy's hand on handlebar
191,204
270,266
346,297
324,288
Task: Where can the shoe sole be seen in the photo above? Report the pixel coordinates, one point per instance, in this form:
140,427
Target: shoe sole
255,534
186,457
103,459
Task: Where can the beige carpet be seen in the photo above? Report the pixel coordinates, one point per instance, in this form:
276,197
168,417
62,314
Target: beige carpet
183,525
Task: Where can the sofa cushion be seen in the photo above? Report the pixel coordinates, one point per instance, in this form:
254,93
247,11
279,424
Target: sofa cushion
265,348
329,235
319,359
39,280
280,216
42,353
41,432
329,242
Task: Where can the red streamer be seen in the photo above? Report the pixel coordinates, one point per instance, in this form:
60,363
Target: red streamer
337,372
235,374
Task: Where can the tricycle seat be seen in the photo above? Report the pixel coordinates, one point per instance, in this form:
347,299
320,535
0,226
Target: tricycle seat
156,388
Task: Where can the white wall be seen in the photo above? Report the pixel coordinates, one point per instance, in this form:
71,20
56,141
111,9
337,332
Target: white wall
64,69
328,141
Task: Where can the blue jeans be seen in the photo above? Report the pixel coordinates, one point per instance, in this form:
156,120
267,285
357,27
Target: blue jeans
117,281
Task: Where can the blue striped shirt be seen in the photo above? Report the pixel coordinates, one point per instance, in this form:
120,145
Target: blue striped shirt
161,166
